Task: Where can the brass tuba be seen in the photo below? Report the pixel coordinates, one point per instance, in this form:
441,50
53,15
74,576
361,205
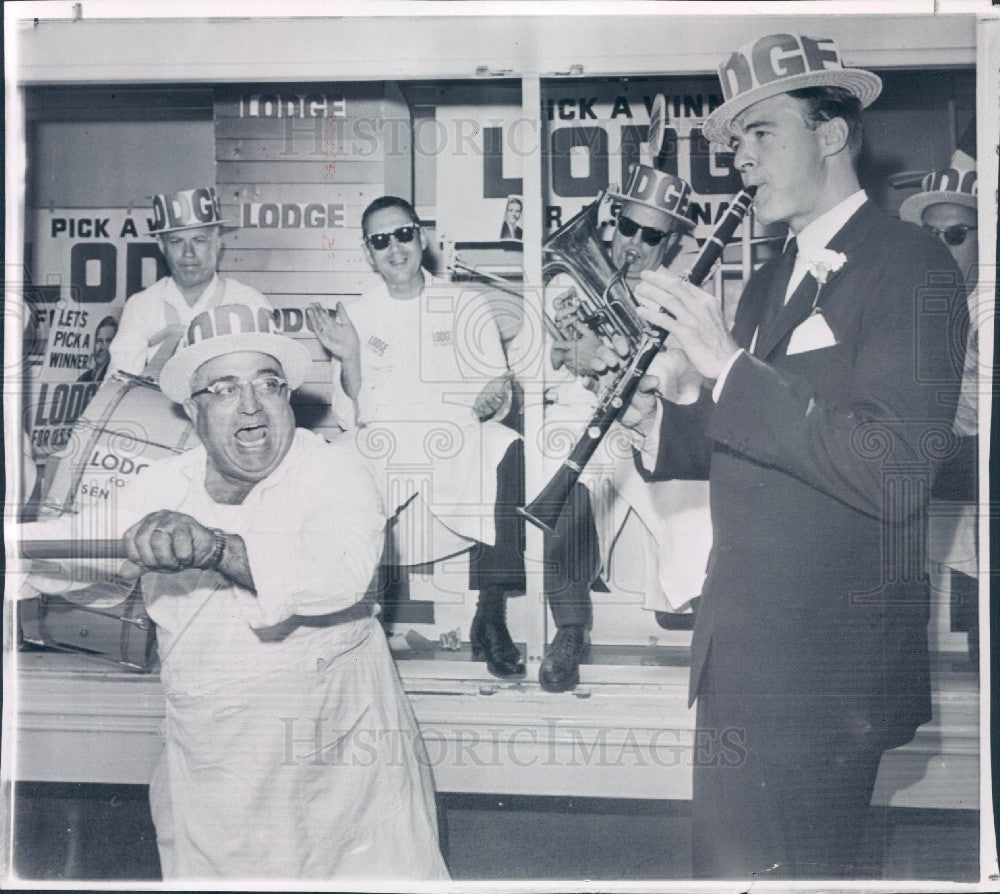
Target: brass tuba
601,299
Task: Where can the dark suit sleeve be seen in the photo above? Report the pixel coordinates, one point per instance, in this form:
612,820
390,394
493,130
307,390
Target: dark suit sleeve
902,395
684,451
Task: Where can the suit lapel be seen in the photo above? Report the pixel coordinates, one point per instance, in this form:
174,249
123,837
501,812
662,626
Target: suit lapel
800,305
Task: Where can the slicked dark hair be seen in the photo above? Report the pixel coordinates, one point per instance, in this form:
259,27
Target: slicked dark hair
827,103
383,202
107,321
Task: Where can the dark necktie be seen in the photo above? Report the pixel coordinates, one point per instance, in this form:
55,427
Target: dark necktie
776,295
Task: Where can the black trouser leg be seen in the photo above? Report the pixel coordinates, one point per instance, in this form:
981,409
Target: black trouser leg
572,561
773,802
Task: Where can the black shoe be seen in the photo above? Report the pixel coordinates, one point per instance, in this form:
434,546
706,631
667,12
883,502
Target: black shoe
490,637
560,670
674,621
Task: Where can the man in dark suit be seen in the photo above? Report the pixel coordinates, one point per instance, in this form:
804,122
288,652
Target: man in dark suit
825,413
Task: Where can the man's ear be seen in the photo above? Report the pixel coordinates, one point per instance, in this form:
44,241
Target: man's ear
368,254
191,410
833,135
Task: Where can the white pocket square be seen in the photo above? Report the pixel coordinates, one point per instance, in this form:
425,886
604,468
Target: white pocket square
811,335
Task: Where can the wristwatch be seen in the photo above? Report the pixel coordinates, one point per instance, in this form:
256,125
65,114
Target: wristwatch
214,558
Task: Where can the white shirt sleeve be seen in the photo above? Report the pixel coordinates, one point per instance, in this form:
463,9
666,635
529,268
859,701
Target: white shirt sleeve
327,562
130,347
720,382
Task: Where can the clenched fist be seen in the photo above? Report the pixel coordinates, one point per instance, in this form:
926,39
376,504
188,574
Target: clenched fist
167,541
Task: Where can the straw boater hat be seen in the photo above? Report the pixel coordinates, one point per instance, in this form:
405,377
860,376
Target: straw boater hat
186,209
776,64
956,185
655,198
227,329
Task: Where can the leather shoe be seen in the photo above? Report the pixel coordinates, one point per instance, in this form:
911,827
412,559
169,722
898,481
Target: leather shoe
490,638
560,670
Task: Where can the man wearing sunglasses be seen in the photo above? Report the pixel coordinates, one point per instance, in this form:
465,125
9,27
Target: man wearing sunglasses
947,206
419,362
650,222
290,750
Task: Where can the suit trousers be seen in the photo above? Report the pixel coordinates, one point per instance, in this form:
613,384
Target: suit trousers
777,802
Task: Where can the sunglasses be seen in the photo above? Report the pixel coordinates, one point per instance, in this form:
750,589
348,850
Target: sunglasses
380,241
228,389
650,235
954,235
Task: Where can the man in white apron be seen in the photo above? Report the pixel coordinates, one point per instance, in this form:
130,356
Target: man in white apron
290,749
187,225
420,379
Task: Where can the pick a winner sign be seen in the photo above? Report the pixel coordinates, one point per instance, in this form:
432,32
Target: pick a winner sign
97,258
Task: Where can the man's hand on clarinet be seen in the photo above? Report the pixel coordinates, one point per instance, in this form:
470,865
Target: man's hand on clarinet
692,316
337,334
168,541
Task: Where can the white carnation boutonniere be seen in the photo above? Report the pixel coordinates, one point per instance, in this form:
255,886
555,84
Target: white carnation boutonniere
821,265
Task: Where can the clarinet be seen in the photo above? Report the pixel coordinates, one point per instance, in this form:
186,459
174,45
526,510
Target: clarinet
545,509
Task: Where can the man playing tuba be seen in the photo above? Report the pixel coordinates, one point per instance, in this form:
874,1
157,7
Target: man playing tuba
648,229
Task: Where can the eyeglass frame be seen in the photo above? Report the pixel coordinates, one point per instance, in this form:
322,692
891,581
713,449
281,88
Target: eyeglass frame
393,234
642,230
232,380
943,233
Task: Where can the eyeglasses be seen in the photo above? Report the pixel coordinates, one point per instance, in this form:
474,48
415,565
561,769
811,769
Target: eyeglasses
650,235
380,241
953,235
228,389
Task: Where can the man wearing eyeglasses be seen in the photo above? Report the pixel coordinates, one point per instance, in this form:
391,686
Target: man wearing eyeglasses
419,365
650,223
947,206
290,750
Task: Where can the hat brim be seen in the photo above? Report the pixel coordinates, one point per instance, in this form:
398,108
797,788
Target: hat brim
913,208
175,379
223,224
661,213
865,85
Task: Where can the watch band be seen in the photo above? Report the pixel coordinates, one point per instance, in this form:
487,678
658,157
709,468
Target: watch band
218,549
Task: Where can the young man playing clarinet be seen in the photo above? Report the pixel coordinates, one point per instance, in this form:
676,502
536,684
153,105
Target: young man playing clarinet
818,434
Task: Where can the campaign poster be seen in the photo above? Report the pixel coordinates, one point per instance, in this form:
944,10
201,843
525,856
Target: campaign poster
592,133
91,260
479,151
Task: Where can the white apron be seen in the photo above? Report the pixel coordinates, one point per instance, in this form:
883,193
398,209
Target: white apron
423,363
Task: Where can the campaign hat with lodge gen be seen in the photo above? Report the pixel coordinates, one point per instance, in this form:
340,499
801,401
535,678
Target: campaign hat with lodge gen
227,329
956,185
655,198
186,209
777,64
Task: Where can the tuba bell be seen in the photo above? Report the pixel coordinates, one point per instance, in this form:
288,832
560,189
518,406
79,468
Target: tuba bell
600,298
